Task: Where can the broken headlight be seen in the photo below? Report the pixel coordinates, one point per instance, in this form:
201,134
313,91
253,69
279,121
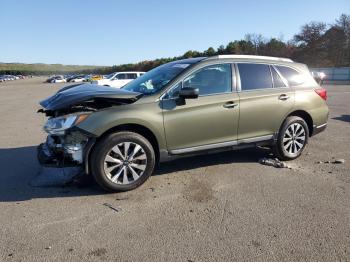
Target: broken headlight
58,125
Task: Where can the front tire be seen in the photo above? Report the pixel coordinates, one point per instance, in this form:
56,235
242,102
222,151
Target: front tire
122,161
292,138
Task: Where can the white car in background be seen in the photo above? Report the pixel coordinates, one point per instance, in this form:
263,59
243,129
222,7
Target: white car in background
118,79
78,79
58,79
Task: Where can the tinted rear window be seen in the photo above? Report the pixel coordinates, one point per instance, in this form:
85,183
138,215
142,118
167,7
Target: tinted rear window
254,76
291,75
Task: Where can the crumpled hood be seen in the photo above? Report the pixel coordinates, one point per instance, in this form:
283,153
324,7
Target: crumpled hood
75,94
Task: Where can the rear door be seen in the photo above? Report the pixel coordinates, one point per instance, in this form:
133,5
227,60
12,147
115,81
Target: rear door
265,100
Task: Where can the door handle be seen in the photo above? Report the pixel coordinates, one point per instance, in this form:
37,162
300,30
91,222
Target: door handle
230,104
283,97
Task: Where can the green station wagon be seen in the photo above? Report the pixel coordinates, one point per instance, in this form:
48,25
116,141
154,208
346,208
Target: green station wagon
182,108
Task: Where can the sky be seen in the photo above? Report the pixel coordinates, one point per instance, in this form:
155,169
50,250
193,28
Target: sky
112,32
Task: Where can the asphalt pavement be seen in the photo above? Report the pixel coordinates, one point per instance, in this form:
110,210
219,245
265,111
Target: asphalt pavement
219,207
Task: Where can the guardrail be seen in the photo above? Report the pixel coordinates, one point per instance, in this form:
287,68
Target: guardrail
334,75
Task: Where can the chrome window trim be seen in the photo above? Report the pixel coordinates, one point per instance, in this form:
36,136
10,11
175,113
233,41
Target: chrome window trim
233,88
236,79
262,89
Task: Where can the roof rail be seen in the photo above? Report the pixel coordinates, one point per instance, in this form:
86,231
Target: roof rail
253,57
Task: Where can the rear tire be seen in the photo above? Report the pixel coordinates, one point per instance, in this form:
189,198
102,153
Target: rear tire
122,161
292,138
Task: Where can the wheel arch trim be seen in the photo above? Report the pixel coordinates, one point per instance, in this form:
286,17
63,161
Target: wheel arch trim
304,115
132,127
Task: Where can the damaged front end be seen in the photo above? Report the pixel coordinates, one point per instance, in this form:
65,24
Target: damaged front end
63,156
65,150
67,145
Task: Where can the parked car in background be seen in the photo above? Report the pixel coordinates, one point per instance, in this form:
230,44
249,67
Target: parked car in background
49,80
4,78
58,79
189,106
118,79
77,79
70,77
10,77
95,78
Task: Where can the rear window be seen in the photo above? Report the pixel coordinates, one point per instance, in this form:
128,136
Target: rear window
254,76
291,75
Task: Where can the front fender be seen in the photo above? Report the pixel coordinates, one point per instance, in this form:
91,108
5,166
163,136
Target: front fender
147,115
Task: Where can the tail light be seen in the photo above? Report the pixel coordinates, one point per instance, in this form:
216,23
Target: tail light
322,93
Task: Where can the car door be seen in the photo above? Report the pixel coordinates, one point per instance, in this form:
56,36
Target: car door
265,100
119,80
209,121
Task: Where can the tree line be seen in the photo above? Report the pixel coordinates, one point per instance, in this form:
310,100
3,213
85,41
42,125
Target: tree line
317,45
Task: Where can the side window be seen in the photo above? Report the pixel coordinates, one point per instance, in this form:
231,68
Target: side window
254,76
277,80
121,77
174,92
213,79
131,76
291,75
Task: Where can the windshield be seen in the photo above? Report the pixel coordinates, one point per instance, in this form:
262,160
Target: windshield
156,79
110,76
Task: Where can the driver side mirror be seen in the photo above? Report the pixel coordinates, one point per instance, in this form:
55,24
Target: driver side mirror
189,93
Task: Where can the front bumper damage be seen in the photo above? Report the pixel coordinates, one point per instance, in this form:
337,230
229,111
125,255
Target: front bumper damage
63,158
69,150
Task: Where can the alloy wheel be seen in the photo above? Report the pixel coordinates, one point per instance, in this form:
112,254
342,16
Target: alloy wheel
125,163
294,138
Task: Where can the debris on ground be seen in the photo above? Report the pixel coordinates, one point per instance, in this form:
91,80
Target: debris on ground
121,198
336,161
339,161
53,176
273,162
111,207
98,252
